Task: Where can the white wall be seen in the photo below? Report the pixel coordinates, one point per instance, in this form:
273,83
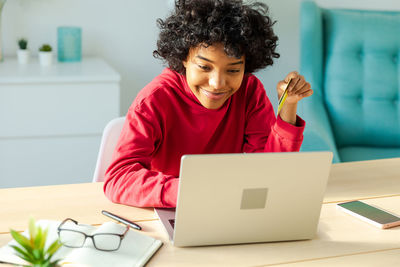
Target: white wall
124,33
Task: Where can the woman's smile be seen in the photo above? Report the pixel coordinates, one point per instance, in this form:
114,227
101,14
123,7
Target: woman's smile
213,95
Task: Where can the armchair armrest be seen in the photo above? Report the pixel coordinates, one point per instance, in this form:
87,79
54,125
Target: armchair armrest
318,132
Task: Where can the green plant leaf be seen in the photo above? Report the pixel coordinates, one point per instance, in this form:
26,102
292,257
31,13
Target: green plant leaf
23,254
38,239
38,255
20,250
54,247
32,229
44,237
22,240
25,259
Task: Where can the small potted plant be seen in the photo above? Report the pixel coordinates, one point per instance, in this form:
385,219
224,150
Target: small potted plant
23,53
32,249
45,55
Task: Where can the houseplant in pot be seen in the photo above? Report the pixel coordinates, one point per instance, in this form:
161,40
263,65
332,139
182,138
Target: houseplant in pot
45,55
33,249
23,53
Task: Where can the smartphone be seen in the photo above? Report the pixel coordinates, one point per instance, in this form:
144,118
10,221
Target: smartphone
370,214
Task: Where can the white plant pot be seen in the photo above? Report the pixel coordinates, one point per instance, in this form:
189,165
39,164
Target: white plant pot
45,58
23,56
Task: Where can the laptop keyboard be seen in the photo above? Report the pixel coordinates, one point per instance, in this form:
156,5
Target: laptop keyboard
172,222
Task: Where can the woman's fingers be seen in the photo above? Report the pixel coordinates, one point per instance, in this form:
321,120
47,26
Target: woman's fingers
297,87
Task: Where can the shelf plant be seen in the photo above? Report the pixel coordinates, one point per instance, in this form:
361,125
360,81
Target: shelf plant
23,53
45,55
45,48
32,249
23,44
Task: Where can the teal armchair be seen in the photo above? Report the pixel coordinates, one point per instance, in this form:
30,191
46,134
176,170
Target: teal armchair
351,59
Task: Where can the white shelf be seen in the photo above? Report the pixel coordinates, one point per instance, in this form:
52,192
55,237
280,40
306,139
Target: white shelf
89,70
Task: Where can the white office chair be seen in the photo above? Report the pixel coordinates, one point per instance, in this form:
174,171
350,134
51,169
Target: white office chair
108,142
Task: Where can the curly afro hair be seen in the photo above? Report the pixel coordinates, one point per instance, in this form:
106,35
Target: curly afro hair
243,29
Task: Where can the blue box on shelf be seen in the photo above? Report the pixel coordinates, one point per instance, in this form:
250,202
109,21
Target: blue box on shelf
69,44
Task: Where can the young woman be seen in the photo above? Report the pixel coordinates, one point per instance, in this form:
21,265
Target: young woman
206,101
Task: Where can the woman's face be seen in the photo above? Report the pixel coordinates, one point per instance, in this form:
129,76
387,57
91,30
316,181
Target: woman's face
212,75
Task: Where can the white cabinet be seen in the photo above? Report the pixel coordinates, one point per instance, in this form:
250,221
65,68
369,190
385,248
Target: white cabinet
52,118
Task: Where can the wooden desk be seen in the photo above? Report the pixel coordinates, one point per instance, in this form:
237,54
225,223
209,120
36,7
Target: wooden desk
379,258
82,202
339,235
340,239
363,179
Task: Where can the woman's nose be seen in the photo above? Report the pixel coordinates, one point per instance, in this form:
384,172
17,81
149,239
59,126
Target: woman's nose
217,81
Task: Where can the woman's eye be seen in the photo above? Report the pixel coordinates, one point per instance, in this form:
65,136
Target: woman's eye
233,71
203,67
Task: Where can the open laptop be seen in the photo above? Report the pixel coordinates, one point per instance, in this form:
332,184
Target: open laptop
247,198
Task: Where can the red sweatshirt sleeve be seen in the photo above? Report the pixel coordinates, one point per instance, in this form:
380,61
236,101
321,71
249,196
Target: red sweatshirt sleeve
285,137
129,179
263,131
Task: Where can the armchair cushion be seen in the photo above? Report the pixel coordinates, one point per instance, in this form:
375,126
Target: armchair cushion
362,77
351,58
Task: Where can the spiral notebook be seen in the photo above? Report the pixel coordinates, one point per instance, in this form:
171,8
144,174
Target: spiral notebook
136,249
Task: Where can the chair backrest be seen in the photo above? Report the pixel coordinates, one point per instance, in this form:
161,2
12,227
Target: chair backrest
109,140
362,76
358,73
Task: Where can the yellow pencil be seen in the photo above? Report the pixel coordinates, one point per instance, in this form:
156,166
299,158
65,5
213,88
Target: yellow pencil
283,98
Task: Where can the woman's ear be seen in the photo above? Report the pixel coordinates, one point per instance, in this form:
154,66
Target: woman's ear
184,62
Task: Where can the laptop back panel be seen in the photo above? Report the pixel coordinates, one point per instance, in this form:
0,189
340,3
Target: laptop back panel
246,198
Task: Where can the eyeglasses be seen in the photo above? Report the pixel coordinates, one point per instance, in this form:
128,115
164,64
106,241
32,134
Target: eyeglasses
76,239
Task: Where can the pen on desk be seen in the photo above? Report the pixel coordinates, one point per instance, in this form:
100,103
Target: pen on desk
283,98
121,220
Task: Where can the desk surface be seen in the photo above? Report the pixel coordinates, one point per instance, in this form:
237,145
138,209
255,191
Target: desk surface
339,234
82,202
341,238
363,179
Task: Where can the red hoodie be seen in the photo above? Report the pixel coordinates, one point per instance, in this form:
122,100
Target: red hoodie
167,121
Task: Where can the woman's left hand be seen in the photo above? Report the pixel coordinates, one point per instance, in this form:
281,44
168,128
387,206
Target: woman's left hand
298,89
